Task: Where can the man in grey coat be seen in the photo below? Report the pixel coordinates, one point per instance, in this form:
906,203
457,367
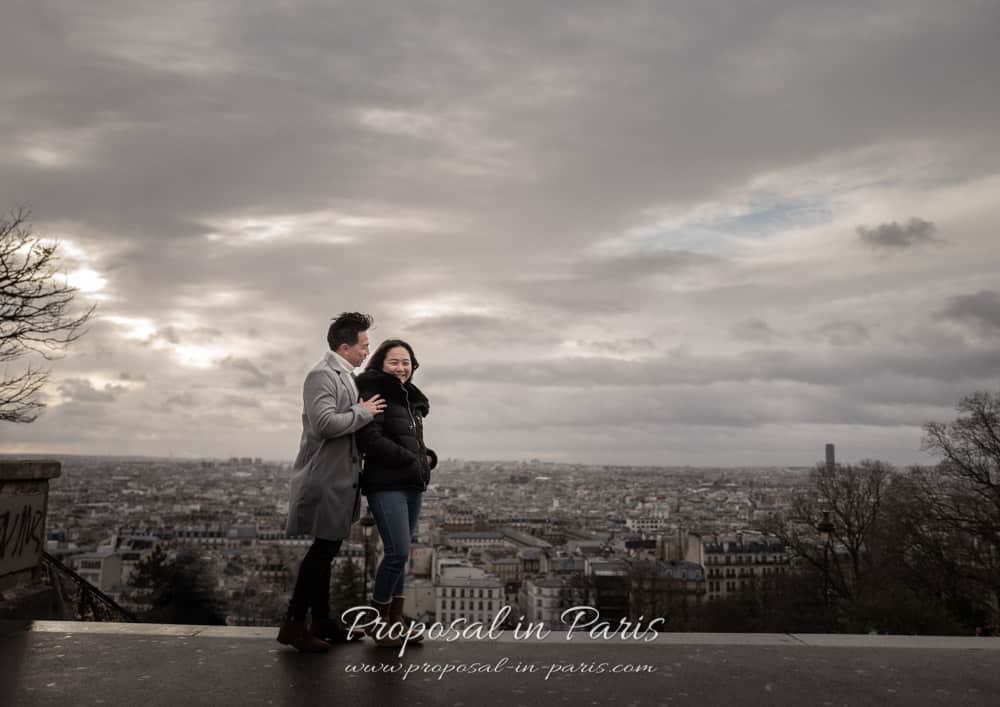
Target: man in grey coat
324,497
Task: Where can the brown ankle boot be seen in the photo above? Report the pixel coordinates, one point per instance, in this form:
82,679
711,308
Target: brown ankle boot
295,634
383,627
396,616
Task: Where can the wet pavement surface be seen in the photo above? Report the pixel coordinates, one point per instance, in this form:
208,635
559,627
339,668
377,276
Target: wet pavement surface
62,663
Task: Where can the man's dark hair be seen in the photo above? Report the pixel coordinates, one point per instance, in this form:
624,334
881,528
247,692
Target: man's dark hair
346,327
377,359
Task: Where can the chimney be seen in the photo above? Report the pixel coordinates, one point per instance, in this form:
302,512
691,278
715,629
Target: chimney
829,458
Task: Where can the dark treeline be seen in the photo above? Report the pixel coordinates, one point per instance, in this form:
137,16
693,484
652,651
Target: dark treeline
875,548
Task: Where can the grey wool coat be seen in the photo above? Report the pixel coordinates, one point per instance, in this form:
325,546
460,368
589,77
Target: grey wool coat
323,499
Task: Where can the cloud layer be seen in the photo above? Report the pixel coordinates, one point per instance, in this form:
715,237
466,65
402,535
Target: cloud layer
709,233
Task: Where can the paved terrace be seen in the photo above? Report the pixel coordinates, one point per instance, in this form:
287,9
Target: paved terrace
68,663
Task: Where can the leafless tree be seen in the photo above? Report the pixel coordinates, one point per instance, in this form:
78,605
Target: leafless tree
829,527
920,557
36,314
963,498
970,452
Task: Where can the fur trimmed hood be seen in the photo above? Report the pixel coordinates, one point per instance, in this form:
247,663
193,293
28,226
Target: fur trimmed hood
389,387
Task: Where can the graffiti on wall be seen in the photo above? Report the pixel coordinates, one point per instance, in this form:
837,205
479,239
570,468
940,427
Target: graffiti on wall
22,520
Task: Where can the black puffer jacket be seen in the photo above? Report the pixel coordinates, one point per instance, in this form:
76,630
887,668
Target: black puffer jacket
393,443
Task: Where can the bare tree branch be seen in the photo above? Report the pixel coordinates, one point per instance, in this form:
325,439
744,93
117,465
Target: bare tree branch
849,498
36,314
963,498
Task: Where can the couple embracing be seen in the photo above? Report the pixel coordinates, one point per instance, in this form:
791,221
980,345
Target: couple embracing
360,434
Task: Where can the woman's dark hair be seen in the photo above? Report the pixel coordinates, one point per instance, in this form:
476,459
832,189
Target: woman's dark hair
345,329
378,358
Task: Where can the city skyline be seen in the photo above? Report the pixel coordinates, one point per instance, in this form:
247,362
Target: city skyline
702,235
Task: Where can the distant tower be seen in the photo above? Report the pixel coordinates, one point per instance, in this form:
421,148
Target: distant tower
829,458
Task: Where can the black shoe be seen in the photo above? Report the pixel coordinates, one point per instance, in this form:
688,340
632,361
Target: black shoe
294,633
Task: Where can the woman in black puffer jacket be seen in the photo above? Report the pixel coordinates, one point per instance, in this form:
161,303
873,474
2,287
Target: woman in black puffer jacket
397,466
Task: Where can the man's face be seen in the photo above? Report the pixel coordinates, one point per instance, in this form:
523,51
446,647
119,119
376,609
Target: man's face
357,353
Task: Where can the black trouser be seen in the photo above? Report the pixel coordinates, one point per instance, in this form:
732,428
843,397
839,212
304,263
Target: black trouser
312,587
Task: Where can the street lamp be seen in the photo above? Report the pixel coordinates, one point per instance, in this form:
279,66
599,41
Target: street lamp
825,526
366,528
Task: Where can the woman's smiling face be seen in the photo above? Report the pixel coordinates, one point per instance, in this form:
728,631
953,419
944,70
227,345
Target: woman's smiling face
397,363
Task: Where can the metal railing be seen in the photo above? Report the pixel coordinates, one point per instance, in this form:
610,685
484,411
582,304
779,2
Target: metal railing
79,599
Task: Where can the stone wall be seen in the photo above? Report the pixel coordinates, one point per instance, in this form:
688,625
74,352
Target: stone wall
24,495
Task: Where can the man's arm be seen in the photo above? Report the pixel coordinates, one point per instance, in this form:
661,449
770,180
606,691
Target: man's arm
320,403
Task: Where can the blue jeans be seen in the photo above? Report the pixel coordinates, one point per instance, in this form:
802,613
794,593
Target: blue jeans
396,514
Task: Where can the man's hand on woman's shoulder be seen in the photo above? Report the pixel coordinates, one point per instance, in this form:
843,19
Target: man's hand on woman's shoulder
375,404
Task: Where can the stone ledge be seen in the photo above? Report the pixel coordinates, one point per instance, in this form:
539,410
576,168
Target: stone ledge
56,664
29,470
813,640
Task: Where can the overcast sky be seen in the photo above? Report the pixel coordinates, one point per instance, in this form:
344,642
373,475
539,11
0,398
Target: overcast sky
712,233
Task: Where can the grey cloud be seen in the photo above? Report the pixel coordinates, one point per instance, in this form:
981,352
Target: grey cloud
132,377
633,346
186,400
175,335
752,404
255,378
241,401
844,333
893,391
475,329
763,365
241,364
600,285
894,236
640,265
81,390
571,296
756,330
294,351
981,309
460,323
169,334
